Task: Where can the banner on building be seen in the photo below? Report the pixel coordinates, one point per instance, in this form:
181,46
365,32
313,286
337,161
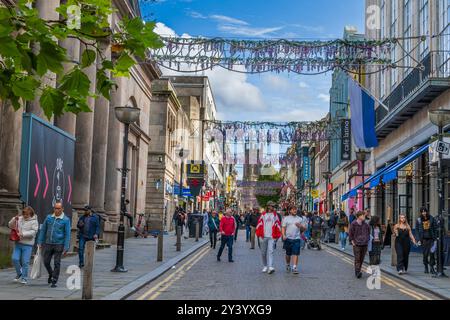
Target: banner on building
346,141
306,168
46,166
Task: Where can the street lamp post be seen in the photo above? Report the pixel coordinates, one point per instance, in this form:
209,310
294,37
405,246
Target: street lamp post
440,118
126,115
362,155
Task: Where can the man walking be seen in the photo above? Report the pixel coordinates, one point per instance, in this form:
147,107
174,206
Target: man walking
227,229
316,229
292,227
88,230
426,227
55,239
248,228
254,218
359,236
268,230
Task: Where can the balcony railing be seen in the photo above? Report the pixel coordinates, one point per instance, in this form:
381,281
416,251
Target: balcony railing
417,89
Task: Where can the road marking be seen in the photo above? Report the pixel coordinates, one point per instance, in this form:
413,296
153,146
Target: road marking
162,289
386,279
154,288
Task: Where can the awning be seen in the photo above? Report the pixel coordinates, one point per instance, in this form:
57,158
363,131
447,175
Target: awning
393,171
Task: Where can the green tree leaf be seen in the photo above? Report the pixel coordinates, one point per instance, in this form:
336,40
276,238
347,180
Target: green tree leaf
123,65
88,58
25,87
52,102
51,57
76,83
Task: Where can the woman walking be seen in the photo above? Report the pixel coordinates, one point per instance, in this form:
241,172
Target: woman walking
403,236
376,241
213,225
26,227
343,229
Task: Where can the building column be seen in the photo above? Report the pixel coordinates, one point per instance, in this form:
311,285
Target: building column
47,11
67,121
83,147
99,147
114,151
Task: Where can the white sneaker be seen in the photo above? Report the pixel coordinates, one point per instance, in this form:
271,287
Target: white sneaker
264,270
23,281
288,268
271,270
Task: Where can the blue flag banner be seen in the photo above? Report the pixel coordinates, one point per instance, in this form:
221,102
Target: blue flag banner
362,108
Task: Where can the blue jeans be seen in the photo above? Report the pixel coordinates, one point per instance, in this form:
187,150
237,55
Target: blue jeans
343,238
21,259
226,241
248,230
81,245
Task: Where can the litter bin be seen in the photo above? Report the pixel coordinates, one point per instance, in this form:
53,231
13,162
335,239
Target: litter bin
193,220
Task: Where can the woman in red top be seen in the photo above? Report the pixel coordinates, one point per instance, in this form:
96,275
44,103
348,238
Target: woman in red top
227,229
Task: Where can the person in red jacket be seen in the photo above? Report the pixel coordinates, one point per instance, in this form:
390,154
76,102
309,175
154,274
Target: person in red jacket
268,230
227,229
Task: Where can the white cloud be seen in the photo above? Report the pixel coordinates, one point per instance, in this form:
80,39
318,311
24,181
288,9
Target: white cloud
324,97
163,30
276,82
303,85
227,19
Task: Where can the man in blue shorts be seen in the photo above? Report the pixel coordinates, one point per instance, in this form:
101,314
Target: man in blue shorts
291,228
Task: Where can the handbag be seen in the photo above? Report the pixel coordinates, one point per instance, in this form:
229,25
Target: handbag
37,265
14,235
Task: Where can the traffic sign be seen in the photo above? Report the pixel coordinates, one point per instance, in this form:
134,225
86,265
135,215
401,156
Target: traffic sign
443,147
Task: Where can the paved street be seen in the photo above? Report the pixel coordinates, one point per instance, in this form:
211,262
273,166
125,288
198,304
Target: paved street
139,259
323,275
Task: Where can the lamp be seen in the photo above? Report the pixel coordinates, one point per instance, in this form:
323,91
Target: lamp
127,115
440,118
363,155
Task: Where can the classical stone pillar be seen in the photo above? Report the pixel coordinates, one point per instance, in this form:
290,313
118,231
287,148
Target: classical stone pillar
10,146
99,146
67,121
114,153
47,11
83,147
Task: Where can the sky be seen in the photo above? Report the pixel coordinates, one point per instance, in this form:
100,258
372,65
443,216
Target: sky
265,97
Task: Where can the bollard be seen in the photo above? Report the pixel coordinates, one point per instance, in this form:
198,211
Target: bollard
160,246
88,270
197,231
178,238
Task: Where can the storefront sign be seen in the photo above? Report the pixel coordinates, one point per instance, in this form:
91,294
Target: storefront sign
306,168
315,193
346,141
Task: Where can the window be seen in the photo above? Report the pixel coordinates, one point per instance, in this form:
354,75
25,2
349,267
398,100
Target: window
394,34
382,74
424,29
407,26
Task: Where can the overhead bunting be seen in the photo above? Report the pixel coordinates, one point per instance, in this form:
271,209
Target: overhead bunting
257,56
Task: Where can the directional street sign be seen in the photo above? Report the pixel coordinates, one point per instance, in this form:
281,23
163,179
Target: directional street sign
443,147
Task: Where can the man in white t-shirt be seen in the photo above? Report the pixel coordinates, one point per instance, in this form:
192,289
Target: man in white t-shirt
291,228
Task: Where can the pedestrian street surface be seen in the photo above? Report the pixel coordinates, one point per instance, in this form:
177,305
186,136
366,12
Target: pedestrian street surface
324,275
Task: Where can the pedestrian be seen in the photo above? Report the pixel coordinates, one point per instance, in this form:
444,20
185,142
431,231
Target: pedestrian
26,227
268,231
342,225
316,229
326,227
237,218
213,226
254,218
227,228
55,239
292,228
88,230
376,241
205,222
351,216
403,236
248,228
367,215
359,236
427,232
140,226
180,221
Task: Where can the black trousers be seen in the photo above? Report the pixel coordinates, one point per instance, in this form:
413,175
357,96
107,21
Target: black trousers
428,257
53,251
213,238
359,252
402,247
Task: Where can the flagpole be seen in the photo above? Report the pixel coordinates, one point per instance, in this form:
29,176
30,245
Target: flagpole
368,92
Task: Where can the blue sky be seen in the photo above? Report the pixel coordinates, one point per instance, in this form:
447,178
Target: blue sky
265,97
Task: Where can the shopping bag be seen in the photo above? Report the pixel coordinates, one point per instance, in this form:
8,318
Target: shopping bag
37,265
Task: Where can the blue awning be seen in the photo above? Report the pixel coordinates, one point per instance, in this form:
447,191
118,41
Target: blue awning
393,172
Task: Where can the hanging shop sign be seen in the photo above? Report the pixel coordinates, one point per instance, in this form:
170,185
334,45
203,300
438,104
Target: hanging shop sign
346,141
315,193
306,168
